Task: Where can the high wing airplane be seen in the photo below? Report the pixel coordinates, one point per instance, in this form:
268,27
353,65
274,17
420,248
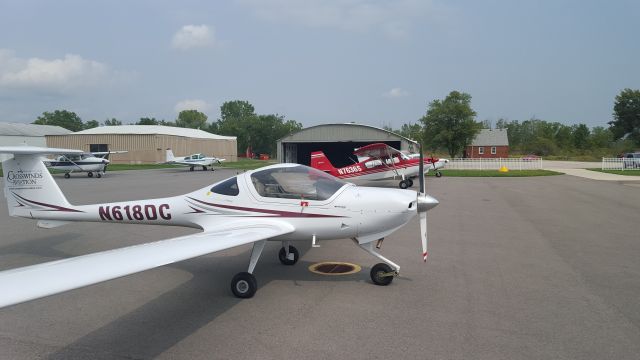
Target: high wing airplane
282,202
89,162
379,162
193,160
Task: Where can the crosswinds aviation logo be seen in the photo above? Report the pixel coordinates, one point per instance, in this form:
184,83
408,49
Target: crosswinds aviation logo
22,177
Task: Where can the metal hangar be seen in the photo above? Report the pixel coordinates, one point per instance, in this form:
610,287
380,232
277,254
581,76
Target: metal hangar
337,141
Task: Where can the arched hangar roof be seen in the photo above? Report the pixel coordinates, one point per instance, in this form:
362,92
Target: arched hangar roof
343,132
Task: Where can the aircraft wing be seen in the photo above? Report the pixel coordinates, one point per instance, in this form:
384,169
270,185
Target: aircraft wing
36,281
377,150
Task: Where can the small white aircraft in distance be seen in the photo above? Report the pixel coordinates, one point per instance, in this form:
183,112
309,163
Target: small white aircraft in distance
89,162
193,160
282,202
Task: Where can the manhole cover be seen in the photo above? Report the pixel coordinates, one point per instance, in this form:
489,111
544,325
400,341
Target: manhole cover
334,268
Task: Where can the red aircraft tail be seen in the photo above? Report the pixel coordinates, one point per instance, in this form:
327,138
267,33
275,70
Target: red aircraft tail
320,161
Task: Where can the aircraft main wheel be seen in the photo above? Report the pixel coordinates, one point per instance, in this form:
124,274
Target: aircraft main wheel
66,175
403,184
204,168
282,255
381,274
244,285
99,175
438,174
409,182
90,174
191,168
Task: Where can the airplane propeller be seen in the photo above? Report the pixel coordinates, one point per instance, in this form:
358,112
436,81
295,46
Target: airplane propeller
425,203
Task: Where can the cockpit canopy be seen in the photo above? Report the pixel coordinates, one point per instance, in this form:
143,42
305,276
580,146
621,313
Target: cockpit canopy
295,182
195,157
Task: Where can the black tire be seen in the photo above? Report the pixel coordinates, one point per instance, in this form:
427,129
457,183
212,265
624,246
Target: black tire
376,274
98,175
204,168
90,174
409,182
438,174
282,255
191,168
67,175
244,285
403,184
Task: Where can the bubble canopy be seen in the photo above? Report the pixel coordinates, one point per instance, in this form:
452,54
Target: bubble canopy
295,182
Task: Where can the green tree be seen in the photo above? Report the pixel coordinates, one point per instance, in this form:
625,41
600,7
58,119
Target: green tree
580,134
63,118
237,118
626,114
148,121
450,123
600,137
112,122
411,131
91,124
193,119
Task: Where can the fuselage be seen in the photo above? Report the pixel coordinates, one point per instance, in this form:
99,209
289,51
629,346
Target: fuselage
315,206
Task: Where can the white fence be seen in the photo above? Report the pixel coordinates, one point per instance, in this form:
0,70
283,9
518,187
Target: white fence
620,164
495,164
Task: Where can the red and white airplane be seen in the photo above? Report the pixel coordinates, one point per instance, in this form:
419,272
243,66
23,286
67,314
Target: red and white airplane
379,162
283,202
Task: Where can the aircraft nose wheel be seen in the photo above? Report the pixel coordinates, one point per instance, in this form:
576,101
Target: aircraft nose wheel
382,274
99,175
282,255
90,174
244,285
66,175
438,174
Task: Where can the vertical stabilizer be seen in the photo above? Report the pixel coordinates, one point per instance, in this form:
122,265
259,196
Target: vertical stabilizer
320,161
170,157
28,186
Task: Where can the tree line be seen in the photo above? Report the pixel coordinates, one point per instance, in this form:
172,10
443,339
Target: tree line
257,132
449,125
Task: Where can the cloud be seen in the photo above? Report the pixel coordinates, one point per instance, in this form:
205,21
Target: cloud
396,93
193,36
393,18
51,75
192,104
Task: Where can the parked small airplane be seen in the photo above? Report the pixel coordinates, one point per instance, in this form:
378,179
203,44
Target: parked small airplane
379,162
193,160
89,162
283,202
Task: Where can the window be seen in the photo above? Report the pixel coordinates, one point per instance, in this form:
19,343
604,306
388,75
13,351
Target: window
481,150
295,182
98,147
228,187
493,150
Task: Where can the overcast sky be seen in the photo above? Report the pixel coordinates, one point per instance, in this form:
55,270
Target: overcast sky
318,61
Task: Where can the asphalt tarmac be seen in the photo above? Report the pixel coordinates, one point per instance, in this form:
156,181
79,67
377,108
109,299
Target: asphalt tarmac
519,268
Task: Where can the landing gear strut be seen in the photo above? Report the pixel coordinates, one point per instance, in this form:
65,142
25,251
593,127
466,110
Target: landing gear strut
382,273
244,285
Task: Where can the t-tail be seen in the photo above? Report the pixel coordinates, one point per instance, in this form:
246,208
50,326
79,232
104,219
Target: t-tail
320,161
29,187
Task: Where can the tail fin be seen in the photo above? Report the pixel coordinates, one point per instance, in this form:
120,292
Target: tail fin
28,186
320,161
170,157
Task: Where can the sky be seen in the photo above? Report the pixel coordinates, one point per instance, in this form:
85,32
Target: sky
373,62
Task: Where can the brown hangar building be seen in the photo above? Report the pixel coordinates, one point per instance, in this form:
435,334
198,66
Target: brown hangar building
147,144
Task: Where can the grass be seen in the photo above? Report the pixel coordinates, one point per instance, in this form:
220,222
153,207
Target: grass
495,173
635,172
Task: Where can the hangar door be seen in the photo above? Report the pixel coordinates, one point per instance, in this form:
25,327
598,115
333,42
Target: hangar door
339,153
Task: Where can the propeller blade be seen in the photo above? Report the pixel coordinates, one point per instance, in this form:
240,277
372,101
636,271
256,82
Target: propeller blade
423,234
421,169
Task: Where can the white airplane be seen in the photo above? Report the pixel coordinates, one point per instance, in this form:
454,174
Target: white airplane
283,202
193,160
89,162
